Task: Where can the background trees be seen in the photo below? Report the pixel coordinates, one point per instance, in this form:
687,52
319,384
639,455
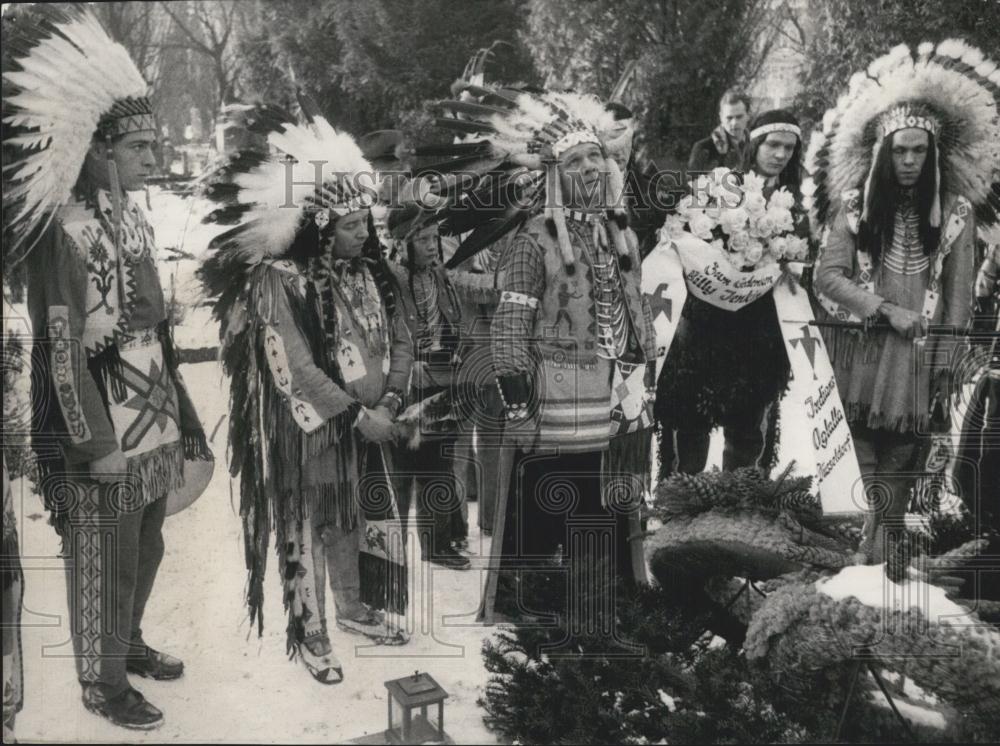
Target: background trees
845,35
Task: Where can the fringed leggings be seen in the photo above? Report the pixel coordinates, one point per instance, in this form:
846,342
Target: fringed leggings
316,549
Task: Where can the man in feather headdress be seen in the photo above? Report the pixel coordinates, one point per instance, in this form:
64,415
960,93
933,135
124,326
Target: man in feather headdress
319,352
905,166
572,339
113,422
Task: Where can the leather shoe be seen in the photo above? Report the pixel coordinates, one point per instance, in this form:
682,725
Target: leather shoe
128,709
155,665
451,559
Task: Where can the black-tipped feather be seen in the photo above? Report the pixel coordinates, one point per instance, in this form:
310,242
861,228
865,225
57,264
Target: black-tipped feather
487,235
228,215
472,109
472,163
451,149
505,97
463,126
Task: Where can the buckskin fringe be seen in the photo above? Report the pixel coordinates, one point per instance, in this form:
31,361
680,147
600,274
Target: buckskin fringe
159,471
383,583
857,412
107,367
845,345
628,455
195,445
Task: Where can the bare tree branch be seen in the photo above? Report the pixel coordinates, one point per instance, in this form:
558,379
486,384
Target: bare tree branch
195,41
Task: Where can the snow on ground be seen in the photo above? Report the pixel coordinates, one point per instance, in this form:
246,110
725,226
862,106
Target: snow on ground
913,712
869,584
177,223
236,687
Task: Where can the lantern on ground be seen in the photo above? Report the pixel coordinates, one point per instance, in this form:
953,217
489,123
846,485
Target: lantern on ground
410,693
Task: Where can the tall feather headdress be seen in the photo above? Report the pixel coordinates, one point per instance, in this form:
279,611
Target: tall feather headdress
950,90
289,176
508,156
64,81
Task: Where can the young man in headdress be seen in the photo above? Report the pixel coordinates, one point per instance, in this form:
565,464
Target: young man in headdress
320,354
429,468
902,169
112,420
727,367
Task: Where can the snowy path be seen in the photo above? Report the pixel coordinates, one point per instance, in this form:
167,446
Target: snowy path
235,688
238,688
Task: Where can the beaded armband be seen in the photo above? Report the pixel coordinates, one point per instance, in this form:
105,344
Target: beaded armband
392,400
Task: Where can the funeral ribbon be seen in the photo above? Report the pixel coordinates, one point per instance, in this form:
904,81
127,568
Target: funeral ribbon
688,264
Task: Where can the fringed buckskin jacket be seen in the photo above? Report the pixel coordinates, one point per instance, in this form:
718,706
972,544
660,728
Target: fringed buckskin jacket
880,384
309,343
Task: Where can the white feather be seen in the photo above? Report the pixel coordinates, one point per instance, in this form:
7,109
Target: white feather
985,68
319,156
61,92
969,153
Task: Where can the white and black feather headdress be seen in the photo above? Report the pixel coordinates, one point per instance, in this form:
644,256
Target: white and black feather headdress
950,90
289,175
511,140
64,81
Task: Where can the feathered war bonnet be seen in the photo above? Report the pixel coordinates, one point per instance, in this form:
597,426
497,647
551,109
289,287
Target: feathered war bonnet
512,145
951,91
288,184
64,82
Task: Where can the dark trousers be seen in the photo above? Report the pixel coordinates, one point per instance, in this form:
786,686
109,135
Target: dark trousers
429,472
888,463
555,518
113,553
687,450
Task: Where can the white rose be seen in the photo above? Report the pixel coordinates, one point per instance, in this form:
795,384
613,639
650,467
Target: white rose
701,225
685,206
739,241
734,219
762,226
673,226
797,248
717,244
778,247
782,218
719,173
705,187
753,183
754,203
754,252
782,199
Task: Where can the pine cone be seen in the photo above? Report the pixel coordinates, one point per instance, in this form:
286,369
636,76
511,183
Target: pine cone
701,488
799,502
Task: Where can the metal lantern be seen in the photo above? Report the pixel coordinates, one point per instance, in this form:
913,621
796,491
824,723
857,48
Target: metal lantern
411,692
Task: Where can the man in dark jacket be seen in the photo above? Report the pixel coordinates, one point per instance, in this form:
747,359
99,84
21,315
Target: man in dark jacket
727,144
